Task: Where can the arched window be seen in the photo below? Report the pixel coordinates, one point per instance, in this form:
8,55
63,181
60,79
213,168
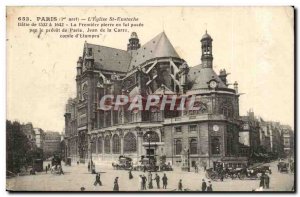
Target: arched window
129,143
100,144
153,136
193,146
116,144
215,145
134,115
177,146
107,144
226,109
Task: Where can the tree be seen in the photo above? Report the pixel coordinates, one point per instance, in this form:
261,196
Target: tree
17,146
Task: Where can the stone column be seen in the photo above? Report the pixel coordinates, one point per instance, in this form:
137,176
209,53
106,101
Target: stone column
121,135
102,134
139,141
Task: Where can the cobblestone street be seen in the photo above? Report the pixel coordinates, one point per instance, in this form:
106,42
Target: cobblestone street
76,177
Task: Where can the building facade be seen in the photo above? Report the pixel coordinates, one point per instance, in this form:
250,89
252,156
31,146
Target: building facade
210,134
51,143
28,130
39,137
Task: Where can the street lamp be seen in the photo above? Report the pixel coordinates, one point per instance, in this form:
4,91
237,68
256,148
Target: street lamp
148,135
91,156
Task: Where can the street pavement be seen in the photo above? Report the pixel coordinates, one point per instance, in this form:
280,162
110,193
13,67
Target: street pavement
77,176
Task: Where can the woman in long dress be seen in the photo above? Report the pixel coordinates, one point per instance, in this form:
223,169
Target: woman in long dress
116,184
150,185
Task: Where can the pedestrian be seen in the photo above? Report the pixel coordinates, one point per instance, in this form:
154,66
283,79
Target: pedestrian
203,187
150,185
89,166
267,181
116,184
46,169
157,179
180,185
209,188
49,166
98,181
262,180
144,182
165,181
141,182
130,175
222,174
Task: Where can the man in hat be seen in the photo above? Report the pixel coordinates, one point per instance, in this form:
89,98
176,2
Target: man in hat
157,179
165,181
180,185
98,181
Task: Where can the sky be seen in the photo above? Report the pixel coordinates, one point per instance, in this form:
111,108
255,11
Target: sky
254,44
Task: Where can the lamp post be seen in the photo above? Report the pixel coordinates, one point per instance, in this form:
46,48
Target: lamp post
148,135
91,156
188,152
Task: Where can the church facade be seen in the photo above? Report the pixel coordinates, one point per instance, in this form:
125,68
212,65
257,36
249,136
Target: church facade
209,134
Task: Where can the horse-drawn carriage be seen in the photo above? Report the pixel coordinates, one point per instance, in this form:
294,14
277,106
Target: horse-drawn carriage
283,166
124,163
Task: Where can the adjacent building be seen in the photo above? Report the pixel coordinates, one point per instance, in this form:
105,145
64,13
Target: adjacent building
28,130
288,140
51,143
210,134
249,135
39,137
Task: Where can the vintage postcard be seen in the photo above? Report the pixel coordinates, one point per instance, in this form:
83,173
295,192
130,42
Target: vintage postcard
150,99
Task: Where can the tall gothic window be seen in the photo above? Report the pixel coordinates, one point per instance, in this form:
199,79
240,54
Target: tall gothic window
193,146
116,144
215,145
84,92
177,146
155,114
93,146
107,144
100,144
129,143
108,118
153,136
226,109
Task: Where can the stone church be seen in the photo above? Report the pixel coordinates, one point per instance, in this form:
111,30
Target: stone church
210,134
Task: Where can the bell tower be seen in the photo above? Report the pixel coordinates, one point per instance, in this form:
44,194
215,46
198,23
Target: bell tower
206,46
134,42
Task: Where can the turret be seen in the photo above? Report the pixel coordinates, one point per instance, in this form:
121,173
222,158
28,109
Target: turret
79,66
235,86
133,42
206,46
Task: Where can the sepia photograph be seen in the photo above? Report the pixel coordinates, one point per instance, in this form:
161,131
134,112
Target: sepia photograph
150,99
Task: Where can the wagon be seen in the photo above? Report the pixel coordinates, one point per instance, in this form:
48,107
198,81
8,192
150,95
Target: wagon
283,167
124,163
213,175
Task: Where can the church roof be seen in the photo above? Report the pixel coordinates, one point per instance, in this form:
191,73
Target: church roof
201,76
159,46
108,58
